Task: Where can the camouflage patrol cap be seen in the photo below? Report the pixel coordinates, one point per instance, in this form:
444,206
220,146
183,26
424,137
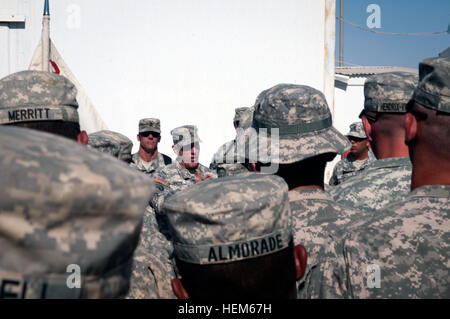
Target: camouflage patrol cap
303,119
116,144
149,125
230,219
389,92
238,113
66,208
185,135
37,96
433,90
246,118
357,130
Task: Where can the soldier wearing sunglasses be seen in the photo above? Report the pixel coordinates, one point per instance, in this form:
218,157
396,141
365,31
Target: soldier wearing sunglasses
148,159
387,179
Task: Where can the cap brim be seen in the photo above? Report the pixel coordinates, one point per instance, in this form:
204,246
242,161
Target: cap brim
150,130
355,135
298,147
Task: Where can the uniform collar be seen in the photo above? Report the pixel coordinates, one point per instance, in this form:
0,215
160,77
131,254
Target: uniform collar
390,162
440,191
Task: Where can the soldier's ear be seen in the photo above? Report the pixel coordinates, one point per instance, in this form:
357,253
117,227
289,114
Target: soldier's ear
410,128
82,138
367,128
178,289
301,258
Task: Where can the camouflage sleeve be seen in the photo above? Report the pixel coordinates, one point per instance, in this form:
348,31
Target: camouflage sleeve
152,270
334,179
162,190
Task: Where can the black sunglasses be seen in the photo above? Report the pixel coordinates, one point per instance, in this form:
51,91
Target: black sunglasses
146,134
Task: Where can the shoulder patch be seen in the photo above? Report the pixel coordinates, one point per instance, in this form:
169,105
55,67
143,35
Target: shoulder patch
161,181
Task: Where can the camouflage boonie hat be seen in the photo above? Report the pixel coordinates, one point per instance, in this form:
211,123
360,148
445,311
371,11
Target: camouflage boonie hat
433,90
66,208
389,92
357,130
230,219
185,135
116,144
150,125
37,96
303,119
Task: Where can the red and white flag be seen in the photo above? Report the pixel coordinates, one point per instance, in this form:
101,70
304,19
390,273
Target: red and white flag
47,58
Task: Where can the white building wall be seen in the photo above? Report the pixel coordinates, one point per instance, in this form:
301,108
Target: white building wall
183,61
348,104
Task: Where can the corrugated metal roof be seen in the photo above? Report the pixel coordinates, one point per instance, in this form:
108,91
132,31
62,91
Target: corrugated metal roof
362,71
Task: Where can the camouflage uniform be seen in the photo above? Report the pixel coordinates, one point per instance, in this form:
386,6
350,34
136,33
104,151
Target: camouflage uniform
153,269
304,121
161,160
30,96
226,161
316,218
408,241
348,167
63,205
386,180
116,144
173,178
138,164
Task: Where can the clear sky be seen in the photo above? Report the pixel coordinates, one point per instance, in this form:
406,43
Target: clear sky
398,16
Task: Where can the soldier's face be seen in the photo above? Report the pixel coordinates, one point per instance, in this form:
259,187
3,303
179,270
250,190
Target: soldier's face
149,140
189,155
359,145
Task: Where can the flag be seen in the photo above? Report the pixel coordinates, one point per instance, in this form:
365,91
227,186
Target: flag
47,58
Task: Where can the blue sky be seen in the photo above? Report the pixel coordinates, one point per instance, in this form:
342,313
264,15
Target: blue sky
401,16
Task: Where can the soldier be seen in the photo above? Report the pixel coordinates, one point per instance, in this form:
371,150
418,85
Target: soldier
70,218
233,239
357,159
148,159
43,101
227,161
185,171
116,144
387,179
403,251
307,141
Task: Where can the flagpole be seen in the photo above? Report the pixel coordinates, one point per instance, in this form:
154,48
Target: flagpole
46,37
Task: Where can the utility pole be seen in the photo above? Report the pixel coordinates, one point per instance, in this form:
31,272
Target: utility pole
341,33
